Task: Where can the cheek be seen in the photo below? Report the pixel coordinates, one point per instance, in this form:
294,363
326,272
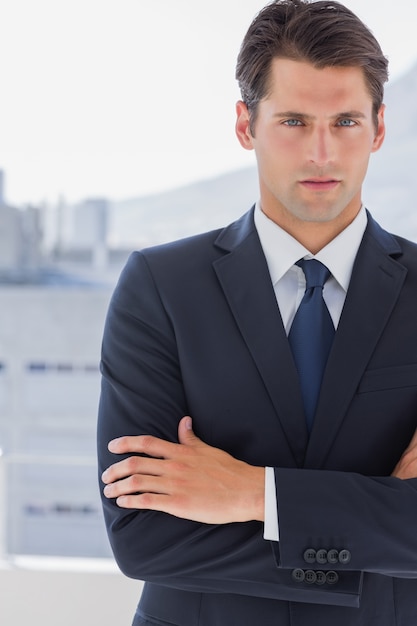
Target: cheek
360,146
287,142
274,140
280,153
356,158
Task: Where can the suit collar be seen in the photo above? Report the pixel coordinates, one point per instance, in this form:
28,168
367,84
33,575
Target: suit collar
382,238
237,232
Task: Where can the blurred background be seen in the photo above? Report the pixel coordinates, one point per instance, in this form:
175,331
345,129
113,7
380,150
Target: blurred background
117,132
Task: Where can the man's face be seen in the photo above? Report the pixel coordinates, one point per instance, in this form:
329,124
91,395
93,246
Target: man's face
313,137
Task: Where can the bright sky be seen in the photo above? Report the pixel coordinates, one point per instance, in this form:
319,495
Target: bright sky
127,97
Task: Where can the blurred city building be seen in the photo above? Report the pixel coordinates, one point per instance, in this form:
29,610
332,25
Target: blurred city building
20,240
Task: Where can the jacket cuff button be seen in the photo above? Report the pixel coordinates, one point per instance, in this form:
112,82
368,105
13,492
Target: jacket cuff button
321,557
298,575
309,555
344,557
333,556
310,577
332,578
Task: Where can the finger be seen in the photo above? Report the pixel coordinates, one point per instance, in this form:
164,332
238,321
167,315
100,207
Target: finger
146,501
186,434
135,484
145,444
185,430
132,465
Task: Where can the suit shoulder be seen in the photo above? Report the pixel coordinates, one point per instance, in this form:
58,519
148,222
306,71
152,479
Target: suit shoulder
176,261
198,249
165,267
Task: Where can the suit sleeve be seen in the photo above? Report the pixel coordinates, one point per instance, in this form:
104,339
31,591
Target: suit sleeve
371,519
142,392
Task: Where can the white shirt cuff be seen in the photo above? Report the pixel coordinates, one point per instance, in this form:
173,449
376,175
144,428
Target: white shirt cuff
271,528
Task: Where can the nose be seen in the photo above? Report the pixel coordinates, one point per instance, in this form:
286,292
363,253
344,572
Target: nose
321,146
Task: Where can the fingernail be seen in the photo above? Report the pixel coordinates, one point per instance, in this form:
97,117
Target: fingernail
188,423
113,444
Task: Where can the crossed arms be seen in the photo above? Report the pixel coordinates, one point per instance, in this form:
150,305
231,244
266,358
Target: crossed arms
195,481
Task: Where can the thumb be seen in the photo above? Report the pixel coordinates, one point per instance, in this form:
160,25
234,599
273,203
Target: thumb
186,435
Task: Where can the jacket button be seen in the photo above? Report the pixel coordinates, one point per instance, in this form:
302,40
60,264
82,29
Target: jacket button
332,578
309,555
298,575
333,556
310,577
344,557
321,556
321,578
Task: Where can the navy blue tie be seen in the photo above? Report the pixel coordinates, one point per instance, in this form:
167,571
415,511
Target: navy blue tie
311,335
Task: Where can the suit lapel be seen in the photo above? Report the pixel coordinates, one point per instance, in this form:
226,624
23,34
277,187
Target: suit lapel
244,277
375,285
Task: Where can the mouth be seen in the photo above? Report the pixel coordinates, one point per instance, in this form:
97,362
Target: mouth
320,184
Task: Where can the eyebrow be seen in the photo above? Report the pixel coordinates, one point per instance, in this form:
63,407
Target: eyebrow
305,116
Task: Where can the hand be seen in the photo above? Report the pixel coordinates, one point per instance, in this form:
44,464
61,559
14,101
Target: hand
191,479
407,465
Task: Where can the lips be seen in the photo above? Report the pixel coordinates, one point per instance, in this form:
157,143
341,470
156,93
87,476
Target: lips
320,184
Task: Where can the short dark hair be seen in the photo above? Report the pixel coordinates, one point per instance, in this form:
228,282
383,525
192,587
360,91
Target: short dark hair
323,33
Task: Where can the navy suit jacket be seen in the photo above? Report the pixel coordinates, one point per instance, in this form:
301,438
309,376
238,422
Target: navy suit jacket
194,328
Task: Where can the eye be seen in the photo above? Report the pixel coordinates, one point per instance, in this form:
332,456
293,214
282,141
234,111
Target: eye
346,122
293,122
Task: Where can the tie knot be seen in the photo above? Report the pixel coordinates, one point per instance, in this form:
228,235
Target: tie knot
315,272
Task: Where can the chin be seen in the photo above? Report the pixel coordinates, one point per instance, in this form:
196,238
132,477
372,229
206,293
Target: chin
319,217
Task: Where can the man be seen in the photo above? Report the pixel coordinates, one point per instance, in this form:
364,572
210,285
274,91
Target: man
207,328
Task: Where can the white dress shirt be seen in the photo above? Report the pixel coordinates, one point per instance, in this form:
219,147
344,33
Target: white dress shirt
281,252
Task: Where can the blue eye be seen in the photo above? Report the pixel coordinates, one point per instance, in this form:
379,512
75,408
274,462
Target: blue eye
347,122
293,122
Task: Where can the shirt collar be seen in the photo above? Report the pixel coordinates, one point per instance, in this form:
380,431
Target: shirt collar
282,250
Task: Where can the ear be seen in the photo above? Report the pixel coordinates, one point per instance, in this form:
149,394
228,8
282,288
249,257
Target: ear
243,132
380,133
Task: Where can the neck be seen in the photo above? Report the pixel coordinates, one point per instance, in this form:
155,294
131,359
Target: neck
312,235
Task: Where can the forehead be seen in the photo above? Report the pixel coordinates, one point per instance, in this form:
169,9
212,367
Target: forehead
300,83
